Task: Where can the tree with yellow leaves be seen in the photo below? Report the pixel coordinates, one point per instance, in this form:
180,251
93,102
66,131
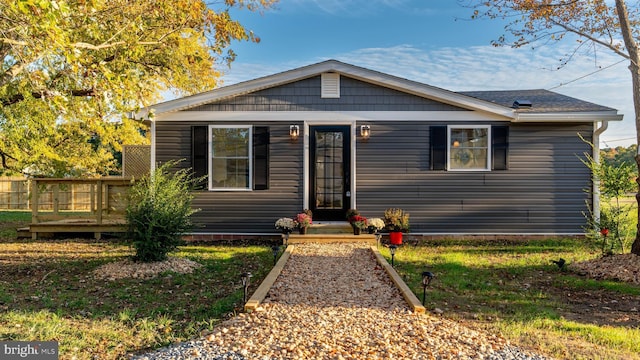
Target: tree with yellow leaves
71,69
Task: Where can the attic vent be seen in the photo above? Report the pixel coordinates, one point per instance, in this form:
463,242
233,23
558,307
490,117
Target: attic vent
522,104
330,85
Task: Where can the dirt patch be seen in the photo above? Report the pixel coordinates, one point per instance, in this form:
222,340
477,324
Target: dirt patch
601,307
138,270
624,267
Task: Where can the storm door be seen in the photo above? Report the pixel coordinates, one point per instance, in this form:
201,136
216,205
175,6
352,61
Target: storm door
329,170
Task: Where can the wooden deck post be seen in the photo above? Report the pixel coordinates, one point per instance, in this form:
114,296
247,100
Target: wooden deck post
34,206
98,235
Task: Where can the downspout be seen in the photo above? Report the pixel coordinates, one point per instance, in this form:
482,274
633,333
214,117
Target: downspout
596,158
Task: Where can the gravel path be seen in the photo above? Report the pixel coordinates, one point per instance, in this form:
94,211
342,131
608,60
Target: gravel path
335,302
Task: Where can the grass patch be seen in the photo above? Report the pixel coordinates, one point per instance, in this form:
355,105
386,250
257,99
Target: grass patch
514,289
10,221
48,292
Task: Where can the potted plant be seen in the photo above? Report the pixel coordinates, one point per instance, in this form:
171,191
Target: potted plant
357,221
285,225
396,221
375,225
303,221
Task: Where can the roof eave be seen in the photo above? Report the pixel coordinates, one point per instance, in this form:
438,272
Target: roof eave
576,117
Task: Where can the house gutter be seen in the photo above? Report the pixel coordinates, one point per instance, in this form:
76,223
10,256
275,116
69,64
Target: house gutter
596,158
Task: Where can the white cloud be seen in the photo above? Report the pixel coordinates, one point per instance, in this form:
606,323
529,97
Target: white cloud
490,68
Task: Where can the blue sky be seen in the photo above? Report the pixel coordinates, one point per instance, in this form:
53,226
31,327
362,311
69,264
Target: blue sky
431,41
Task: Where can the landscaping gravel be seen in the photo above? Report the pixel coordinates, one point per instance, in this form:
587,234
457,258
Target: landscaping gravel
335,302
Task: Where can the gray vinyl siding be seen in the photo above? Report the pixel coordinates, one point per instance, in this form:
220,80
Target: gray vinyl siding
542,192
241,211
304,95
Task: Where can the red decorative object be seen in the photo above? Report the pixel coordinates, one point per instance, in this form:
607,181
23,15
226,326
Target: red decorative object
395,238
604,231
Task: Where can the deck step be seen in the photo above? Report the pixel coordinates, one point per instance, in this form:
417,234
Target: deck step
331,238
342,227
23,233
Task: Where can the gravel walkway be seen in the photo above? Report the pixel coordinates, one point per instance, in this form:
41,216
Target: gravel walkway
335,302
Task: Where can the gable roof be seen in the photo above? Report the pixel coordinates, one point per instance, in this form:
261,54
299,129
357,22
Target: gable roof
542,101
545,103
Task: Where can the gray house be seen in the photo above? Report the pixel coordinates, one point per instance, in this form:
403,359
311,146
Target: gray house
333,136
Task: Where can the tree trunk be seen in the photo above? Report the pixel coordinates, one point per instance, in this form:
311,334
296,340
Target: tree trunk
634,66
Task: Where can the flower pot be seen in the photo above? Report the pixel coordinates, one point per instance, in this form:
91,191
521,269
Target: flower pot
303,230
356,230
395,238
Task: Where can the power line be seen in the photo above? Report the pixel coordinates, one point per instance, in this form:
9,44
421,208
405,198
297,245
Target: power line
587,75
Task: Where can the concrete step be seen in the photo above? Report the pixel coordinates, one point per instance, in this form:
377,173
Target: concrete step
341,227
331,238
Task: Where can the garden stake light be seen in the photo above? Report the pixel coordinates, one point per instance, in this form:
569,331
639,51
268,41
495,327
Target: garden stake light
246,276
378,237
276,250
393,248
427,276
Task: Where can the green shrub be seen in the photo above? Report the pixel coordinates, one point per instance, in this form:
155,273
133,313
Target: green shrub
613,228
159,212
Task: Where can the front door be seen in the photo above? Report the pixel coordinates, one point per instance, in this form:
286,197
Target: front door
329,171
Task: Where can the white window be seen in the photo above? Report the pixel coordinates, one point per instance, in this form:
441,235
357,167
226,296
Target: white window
469,147
230,157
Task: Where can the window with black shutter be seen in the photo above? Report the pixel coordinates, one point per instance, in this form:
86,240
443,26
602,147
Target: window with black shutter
199,161
260,158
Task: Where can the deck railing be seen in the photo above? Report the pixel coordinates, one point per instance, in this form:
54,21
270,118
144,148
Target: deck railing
105,210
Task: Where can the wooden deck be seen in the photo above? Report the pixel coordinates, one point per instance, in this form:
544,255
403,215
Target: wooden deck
106,211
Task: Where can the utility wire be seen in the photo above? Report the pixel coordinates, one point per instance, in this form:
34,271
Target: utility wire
587,75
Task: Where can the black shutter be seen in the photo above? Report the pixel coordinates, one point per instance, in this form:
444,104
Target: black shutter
199,151
260,158
499,147
438,147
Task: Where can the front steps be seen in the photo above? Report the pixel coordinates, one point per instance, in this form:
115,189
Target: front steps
331,238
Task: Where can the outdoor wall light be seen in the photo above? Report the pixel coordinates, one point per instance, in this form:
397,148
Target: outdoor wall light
392,249
246,277
294,132
276,250
365,131
427,276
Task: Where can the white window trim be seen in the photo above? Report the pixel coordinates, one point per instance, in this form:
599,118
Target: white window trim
210,159
489,144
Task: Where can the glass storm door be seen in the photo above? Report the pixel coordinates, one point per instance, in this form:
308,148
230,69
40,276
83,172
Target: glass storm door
329,172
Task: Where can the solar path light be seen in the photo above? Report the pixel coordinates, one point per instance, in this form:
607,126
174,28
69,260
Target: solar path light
393,248
427,276
276,250
246,277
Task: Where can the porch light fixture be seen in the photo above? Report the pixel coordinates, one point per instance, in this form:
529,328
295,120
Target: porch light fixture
246,277
365,131
427,276
392,249
294,132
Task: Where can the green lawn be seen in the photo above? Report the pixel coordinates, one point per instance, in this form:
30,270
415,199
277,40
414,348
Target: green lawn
48,292
513,288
